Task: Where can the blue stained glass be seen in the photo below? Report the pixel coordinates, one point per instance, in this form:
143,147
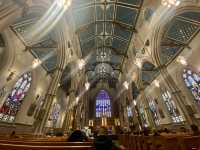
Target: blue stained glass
55,113
192,81
143,117
153,110
171,107
103,105
14,100
129,111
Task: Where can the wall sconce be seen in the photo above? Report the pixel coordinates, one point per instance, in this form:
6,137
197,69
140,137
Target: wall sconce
170,3
10,76
138,63
126,85
156,83
182,60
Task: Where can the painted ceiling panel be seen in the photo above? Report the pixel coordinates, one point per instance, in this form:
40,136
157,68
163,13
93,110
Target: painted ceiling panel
194,16
119,45
45,49
109,12
131,2
84,16
87,33
77,3
99,28
182,30
168,52
126,15
100,12
113,22
48,56
121,32
109,28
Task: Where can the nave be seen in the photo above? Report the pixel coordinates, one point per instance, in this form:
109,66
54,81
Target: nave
100,74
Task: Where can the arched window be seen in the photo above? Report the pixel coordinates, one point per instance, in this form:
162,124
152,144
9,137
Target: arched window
14,100
55,112
143,116
192,81
154,112
103,105
129,111
171,107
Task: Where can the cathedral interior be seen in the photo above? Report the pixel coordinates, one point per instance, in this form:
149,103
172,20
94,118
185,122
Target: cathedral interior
125,66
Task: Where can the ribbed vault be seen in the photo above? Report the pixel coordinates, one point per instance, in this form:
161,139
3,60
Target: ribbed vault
105,28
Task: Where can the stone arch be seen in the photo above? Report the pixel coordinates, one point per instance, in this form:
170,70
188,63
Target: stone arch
160,30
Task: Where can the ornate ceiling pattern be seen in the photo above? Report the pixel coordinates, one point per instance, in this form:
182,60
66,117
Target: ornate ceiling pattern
180,32
45,49
105,28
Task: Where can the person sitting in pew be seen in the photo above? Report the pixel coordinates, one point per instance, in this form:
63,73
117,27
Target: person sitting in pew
195,130
104,142
156,132
77,136
13,135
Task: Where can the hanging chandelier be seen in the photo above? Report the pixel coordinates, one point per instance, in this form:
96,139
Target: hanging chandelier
170,3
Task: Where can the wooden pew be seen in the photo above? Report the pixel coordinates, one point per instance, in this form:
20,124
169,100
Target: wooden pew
29,147
189,143
47,143
174,142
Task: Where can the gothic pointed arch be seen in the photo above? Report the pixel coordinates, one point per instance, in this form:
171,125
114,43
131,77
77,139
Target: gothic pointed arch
103,104
12,104
175,34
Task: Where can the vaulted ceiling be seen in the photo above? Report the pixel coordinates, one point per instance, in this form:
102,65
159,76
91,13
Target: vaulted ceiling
105,28
181,30
45,49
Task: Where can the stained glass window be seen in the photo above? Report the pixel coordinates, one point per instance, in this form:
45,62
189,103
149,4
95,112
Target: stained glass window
103,105
171,107
143,117
55,113
129,111
14,100
192,81
154,112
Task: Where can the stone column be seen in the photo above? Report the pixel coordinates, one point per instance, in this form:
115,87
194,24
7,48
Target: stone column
62,46
67,119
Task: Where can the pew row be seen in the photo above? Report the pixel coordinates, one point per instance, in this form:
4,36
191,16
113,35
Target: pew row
46,143
132,142
31,147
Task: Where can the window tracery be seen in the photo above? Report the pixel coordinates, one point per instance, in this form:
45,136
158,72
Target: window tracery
129,111
154,112
103,105
55,113
171,107
143,116
192,81
14,100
